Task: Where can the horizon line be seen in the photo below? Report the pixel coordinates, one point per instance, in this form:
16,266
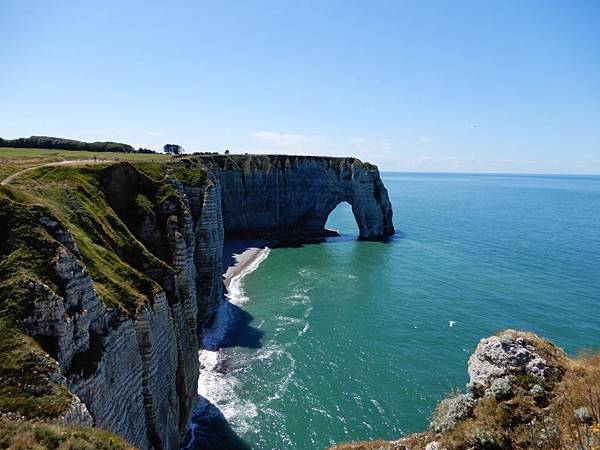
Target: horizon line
554,174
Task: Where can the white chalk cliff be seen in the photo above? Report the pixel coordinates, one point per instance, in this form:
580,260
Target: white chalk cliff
135,373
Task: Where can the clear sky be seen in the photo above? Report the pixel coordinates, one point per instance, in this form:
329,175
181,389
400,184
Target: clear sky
402,84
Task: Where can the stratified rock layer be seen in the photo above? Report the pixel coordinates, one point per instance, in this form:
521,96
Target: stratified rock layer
131,365
292,196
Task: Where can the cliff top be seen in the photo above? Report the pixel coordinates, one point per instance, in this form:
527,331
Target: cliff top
247,162
15,159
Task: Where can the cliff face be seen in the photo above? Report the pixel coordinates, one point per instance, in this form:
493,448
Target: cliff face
116,274
131,369
292,196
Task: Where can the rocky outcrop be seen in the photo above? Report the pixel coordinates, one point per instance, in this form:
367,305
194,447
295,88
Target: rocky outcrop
292,196
508,355
97,350
523,393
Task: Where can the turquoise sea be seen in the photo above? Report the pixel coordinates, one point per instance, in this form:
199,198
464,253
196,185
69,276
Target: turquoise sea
351,340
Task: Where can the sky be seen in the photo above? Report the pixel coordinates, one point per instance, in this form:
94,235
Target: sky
451,86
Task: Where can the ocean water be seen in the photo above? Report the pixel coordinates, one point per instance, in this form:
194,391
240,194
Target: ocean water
348,340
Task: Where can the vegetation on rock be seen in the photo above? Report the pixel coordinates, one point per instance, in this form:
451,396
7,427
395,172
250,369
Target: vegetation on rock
103,210
559,409
19,435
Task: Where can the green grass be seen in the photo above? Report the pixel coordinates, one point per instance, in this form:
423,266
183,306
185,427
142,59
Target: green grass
18,435
190,170
113,255
25,254
249,162
79,198
26,389
12,152
13,160
101,206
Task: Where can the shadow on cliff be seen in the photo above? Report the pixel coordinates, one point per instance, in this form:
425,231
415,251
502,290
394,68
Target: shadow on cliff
241,333
211,431
342,238
233,247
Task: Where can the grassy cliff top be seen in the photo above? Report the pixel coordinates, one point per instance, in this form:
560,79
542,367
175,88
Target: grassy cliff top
13,160
249,162
102,206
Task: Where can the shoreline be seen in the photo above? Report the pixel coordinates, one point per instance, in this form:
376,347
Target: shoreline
216,405
242,256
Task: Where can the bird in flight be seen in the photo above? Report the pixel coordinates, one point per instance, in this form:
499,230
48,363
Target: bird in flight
475,125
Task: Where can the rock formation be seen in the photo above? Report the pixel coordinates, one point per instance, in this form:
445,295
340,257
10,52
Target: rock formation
523,393
292,196
116,279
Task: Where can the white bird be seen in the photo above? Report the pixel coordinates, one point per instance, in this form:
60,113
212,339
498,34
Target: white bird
451,323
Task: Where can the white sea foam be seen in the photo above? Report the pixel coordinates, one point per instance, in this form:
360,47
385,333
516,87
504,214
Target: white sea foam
268,353
214,335
307,312
216,385
284,320
304,272
282,387
236,293
304,330
219,394
378,406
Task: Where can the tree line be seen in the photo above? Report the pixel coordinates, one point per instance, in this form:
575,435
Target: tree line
55,143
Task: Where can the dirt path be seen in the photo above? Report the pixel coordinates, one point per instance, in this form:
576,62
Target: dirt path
10,178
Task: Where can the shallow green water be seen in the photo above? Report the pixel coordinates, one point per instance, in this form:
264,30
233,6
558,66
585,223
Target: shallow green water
353,339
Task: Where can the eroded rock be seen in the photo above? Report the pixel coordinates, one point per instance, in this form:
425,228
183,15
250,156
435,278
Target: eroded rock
505,355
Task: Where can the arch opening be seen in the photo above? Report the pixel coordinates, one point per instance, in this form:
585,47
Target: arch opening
342,220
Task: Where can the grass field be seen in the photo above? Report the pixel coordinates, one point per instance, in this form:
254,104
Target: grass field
11,152
13,160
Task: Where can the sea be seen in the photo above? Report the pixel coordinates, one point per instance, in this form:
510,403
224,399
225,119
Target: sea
348,340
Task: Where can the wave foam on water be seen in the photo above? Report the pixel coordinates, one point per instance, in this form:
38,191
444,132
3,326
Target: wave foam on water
216,382
215,335
236,293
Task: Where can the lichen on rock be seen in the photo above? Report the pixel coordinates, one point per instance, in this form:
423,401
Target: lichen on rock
509,354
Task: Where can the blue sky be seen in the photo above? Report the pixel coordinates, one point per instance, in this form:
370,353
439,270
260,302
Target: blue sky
397,83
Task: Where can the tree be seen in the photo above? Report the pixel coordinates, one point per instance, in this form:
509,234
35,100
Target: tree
66,144
227,152
173,149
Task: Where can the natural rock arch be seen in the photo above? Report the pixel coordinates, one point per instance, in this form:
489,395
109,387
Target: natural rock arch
342,212
285,196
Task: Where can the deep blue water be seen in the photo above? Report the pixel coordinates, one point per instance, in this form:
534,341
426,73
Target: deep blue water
355,336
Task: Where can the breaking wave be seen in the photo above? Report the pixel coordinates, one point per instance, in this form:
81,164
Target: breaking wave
217,394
